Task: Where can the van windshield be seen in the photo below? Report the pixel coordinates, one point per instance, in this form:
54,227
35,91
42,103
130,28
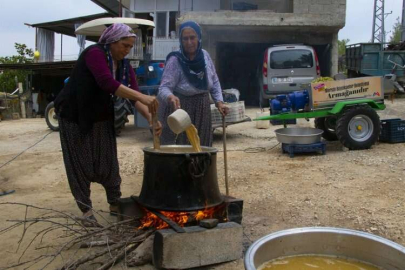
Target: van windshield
287,59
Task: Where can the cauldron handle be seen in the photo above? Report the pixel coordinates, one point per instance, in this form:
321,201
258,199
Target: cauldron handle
197,168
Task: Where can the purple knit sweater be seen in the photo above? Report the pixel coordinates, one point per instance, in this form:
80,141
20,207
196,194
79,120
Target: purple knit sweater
95,61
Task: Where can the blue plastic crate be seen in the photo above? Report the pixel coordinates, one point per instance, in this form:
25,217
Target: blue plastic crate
293,149
392,130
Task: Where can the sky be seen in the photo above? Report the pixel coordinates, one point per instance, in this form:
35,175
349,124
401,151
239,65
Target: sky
14,13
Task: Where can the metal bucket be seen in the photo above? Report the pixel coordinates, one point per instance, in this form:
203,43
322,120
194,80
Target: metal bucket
298,135
352,244
178,179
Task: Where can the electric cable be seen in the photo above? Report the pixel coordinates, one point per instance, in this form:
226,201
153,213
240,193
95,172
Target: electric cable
25,150
253,150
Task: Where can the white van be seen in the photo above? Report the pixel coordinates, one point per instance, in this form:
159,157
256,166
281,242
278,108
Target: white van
286,68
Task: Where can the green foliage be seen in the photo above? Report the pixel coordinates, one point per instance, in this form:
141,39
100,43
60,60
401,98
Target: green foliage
396,33
7,78
342,46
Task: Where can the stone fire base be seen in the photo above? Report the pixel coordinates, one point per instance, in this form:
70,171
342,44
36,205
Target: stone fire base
198,246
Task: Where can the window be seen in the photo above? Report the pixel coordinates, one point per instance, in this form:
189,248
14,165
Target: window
161,24
287,59
172,23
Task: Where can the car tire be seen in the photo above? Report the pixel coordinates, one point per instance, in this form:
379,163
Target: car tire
328,125
51,118
358,127
122,108
264,103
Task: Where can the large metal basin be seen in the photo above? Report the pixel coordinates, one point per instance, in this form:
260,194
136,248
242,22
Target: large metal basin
299,135
326,241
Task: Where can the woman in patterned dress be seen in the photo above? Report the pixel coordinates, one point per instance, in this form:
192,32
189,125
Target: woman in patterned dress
86,116
188,79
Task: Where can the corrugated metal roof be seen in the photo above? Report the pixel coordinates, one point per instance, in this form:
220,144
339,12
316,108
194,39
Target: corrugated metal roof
67,26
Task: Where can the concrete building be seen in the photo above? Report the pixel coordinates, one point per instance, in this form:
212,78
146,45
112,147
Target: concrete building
237,33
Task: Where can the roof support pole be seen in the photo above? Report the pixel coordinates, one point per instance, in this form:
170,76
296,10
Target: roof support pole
403,22
61,43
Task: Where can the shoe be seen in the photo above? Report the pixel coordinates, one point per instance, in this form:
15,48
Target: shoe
89,220
113,209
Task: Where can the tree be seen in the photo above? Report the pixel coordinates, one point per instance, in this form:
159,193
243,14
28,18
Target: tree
342,46
7,77
396,32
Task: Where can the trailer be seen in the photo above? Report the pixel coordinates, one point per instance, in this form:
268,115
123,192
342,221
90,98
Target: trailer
345,110
377,59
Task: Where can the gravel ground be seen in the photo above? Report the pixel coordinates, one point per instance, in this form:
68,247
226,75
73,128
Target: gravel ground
361,190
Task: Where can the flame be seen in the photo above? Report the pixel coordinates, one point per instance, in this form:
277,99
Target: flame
181,218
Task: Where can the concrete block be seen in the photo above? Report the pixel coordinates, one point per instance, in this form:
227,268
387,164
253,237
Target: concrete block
128,208
198,246
209,223
234,209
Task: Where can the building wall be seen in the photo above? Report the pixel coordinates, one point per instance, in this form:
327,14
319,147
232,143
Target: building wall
337,7
279,6
314,22
173,5
331,7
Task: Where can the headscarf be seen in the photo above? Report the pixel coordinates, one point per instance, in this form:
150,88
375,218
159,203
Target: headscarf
115,32
195,70
111,34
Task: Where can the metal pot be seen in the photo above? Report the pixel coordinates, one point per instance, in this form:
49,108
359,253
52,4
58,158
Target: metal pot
326,241
178,179
298,135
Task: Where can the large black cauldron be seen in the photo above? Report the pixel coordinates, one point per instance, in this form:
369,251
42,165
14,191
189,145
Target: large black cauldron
178,179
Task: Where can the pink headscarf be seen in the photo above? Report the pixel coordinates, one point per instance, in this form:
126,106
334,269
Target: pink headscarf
115,32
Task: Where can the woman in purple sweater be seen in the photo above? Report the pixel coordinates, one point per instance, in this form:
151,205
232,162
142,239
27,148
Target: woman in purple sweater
187,81
86,116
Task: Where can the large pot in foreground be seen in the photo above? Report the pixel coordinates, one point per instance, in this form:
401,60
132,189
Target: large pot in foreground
326,241
178,179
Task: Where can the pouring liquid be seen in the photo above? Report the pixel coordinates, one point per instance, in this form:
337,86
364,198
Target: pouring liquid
192,135
313,262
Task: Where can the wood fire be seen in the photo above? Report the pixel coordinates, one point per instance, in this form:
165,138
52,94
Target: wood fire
150,220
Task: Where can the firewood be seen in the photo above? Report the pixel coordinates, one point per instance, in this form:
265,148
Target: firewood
143,254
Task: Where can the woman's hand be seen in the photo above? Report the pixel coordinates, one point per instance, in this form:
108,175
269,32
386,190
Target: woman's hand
222,108
151,102
174,101
158,128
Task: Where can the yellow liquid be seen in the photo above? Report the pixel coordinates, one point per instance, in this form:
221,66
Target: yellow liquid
192,135
313,262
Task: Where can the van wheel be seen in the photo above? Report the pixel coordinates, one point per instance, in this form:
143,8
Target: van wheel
51,118
264,103
358,127
328,125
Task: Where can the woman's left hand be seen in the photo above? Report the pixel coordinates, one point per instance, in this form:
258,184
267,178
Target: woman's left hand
222,108
158,128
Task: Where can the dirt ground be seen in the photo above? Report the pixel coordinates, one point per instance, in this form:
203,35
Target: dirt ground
361,190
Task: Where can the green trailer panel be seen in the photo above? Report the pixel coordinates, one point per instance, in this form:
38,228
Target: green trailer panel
324,112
